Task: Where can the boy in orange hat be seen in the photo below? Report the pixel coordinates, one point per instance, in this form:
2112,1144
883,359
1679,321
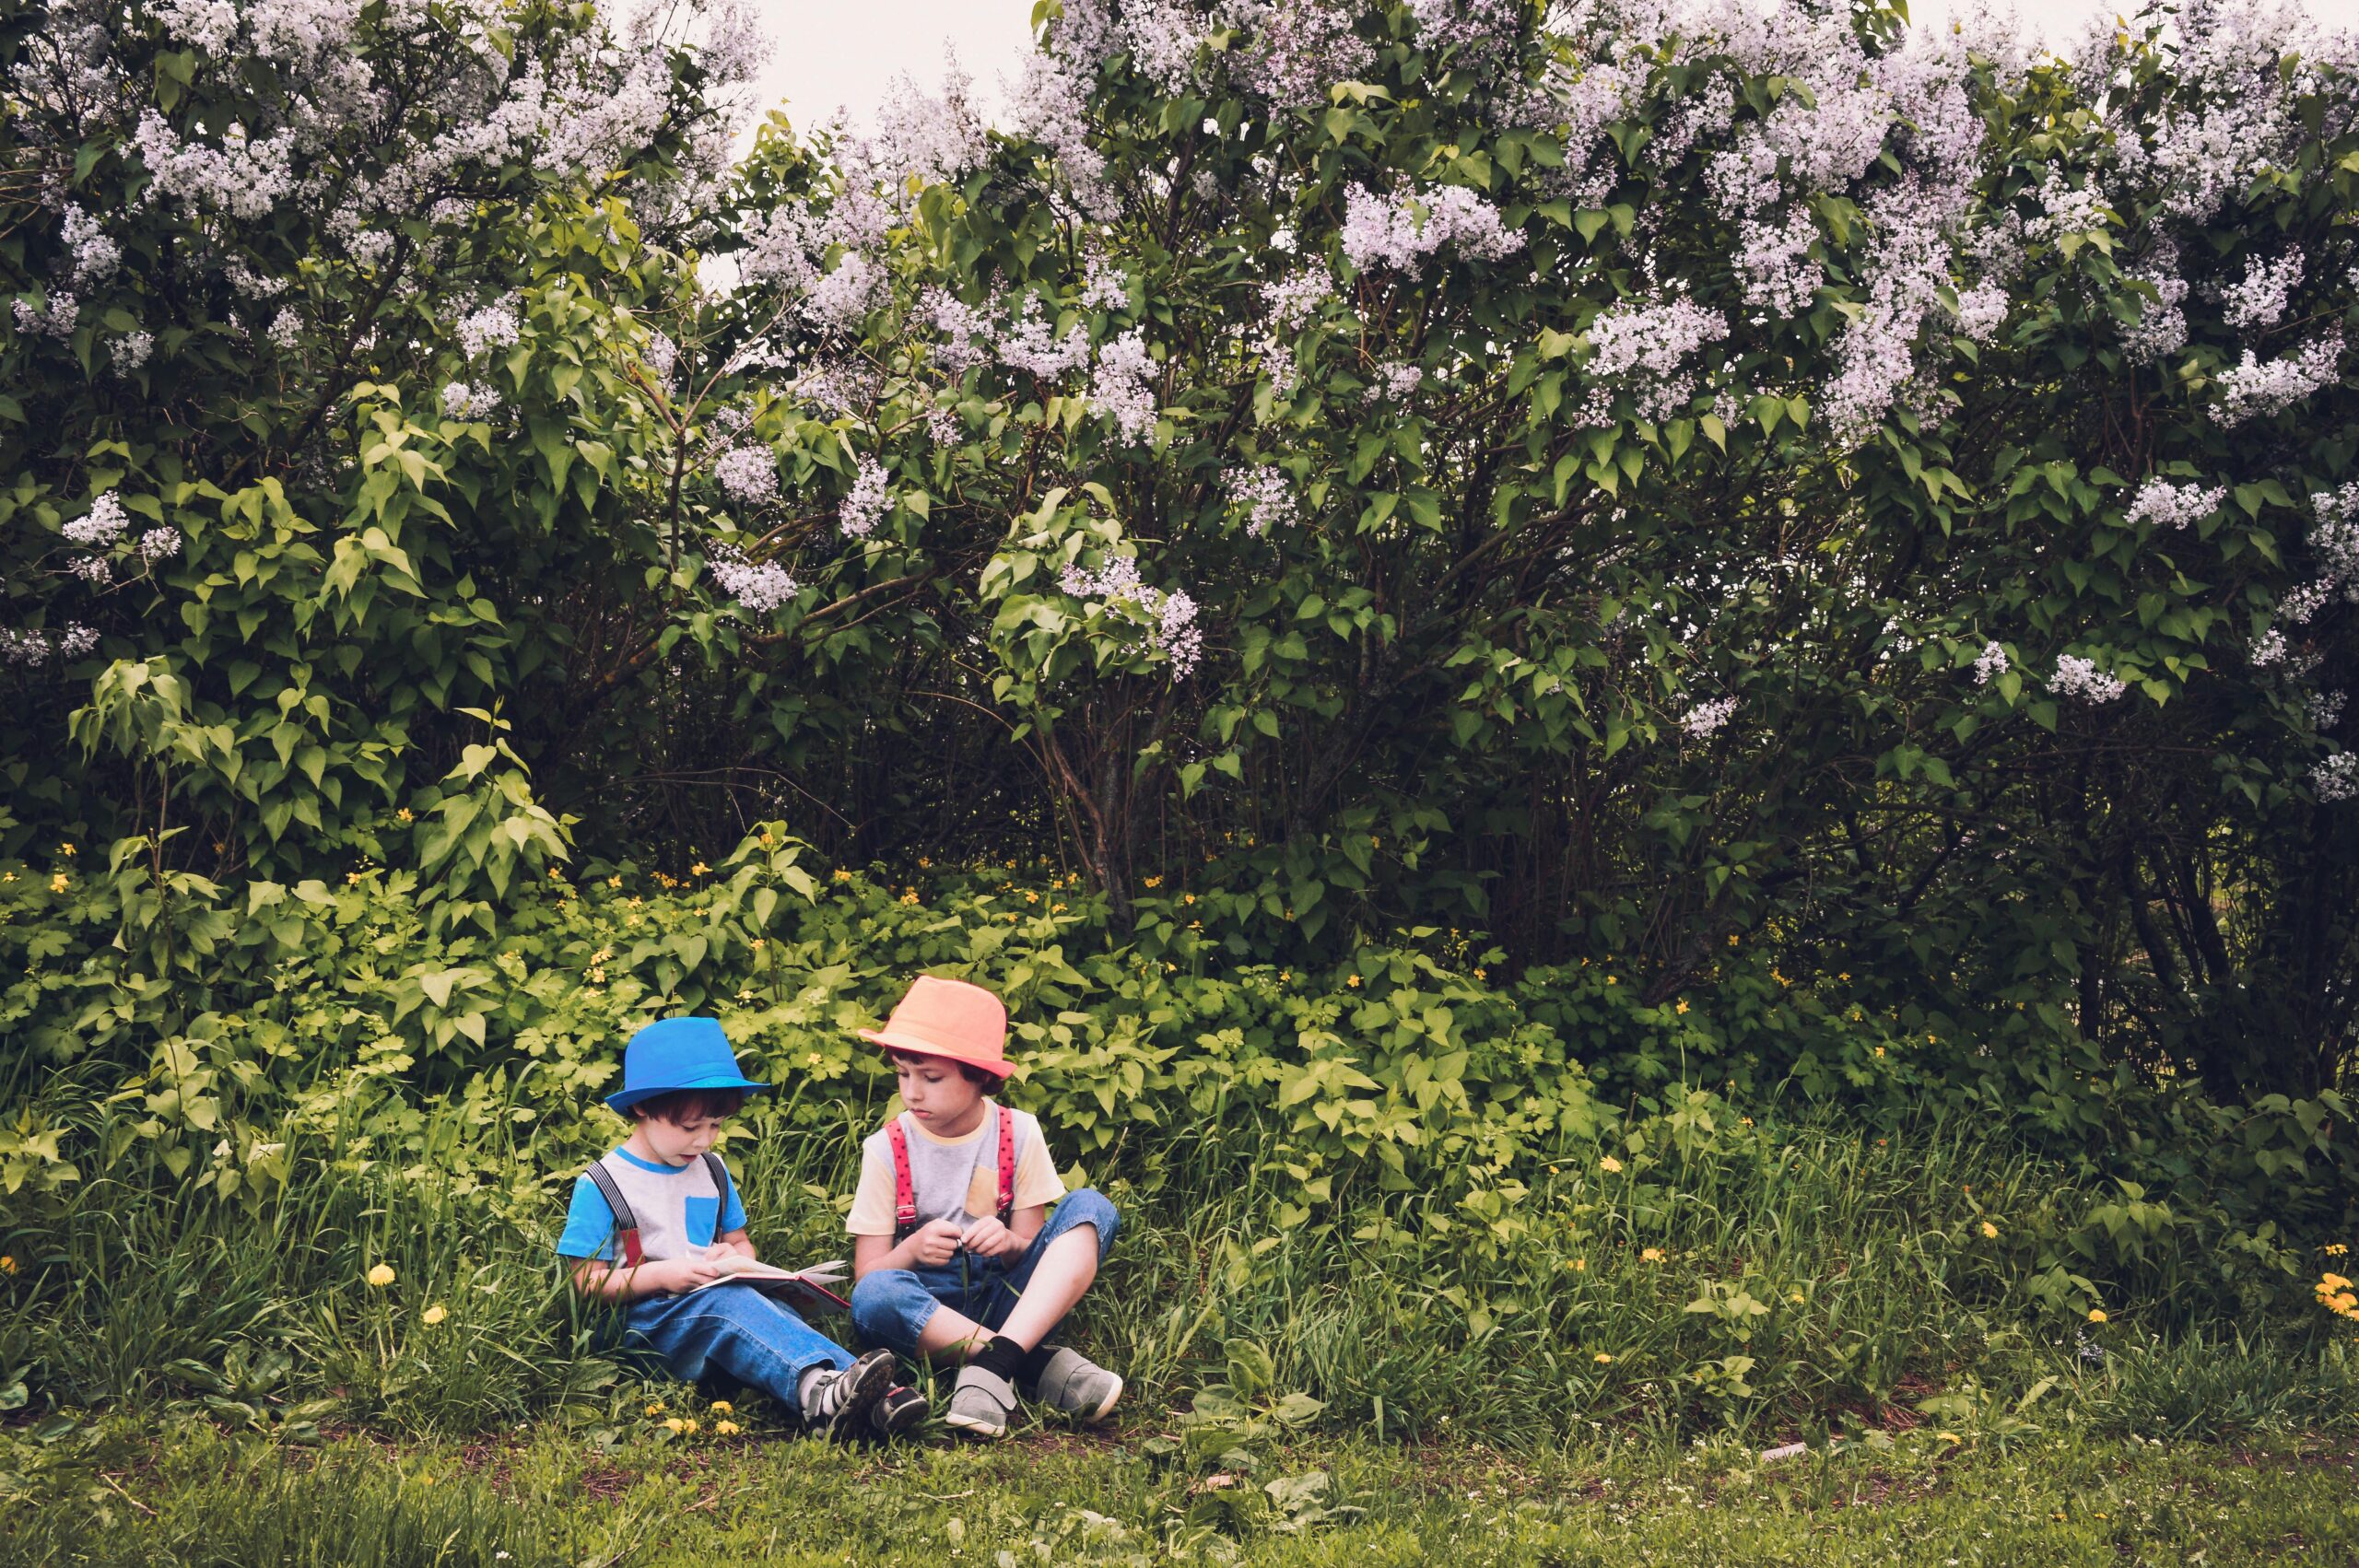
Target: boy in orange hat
954,1251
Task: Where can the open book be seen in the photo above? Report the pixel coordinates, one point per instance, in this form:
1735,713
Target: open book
812,1287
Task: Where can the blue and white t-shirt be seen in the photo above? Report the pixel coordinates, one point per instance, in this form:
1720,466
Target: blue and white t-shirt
677,1208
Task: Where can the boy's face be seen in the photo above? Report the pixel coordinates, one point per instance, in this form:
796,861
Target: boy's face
935,1091
677,1142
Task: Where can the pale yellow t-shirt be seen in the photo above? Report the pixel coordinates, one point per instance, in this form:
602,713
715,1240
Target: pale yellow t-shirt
974,1157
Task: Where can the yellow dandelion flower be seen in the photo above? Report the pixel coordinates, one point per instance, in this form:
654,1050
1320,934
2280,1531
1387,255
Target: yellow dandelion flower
1650,1255
1989,1230
2332,1282
8,1264
432,1315
2096,1315
1609,1164
380,1276
1602,1359
726,1429
724,1408
675,1425
1580,1265
656,1409
1353,981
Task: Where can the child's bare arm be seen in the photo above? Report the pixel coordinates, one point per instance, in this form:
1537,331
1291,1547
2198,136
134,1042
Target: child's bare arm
737,1242
596,1278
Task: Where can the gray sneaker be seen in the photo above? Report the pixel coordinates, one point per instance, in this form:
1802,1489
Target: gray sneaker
981,1403
838,1407
1077,1386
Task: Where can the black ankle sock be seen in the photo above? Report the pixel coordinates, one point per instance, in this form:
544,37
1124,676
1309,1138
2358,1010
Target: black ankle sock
1002,1358
1036,1362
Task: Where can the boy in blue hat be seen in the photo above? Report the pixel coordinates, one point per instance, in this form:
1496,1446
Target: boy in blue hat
658,1217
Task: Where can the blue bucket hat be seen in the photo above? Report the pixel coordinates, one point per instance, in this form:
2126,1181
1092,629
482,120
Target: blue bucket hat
677,1053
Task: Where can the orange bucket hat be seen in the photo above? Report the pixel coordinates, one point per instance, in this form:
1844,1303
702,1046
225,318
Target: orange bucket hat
950,1019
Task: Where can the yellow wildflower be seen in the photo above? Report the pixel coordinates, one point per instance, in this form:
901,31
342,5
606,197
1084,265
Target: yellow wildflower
2096,1315
404,815
8,1264
1879,1051
1681,1008
1650,1255
812,1059
614,881
911,897
1602,1359
57,884
1353,981
1580,1265
380,1276
758,944
65,848
696,870
843,875
432,1315
1482,974
1151,882
675,1425
688,1425
1609,1162
1056,908
1732,939
656,1409
2329,1283
352,879
2336,1249
1989,1230
726,1429
1613,980
724,1408
1187,898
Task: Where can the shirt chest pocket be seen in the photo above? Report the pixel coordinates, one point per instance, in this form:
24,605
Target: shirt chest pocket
699,1216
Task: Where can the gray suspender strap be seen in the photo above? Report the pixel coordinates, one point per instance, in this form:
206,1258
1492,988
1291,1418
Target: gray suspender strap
719,1170
626,1223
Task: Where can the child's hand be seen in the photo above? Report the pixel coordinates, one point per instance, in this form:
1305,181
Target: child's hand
934,1243
988,1238
678,1274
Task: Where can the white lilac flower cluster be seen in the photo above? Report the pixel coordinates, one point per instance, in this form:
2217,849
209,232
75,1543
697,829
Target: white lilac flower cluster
494,326
1982,311
1644,348
2259,299
1293,303
2233,117
470,400
1051,104
1704,719
1171,631
1031,345
129,352
845,388
1107,287
1479,27
285,333
1773,266
95,256
2067,209
1390,232
2334,541
159,545
865,504
95,570
102,526
760,587
2079,677
2336,778
2267,649
966,332
1262,494
748,474
34,649
2251,388
2165,505
1989,664
1295,50
2324,709
1396,383
1122,389
2162,324
54,318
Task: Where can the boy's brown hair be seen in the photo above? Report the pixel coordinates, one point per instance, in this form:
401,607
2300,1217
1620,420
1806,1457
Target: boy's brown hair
678,1106
971,1074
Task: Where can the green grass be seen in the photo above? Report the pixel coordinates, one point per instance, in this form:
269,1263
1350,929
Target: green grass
1810,1280
184,1493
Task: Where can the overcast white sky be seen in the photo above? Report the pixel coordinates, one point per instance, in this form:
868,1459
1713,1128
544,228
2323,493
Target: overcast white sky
846,53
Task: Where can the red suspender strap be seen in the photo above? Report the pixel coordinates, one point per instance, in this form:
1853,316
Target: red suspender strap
1006,1165
905,1197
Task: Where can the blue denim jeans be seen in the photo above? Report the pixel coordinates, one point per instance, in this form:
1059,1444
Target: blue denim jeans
892,1306
761,1342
